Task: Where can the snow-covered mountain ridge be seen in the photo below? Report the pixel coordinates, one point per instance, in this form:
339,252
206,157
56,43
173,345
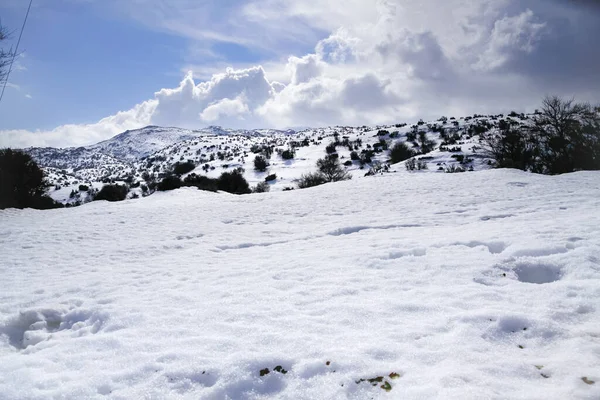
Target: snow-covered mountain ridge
149,153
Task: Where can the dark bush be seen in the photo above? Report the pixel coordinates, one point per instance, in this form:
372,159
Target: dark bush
261,187
332,170
565,137
201,182
425,143
112,193
260,163
271,177
288,154
310,180
348,163
44,203
170,182
183,168
84,188
366,156
331,148
400,152
22,182
354,156
233,182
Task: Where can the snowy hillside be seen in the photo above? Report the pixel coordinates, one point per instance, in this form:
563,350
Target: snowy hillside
402,286
147,155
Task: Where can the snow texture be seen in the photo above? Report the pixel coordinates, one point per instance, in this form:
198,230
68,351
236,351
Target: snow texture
483,285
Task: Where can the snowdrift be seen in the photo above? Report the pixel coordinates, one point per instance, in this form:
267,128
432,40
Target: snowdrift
449,286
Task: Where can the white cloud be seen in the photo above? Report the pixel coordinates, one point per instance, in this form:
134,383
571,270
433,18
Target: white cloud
304,69
510,36
339,47
225,108
228,98
392,61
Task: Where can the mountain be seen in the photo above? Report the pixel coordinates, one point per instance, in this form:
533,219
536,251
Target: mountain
148,154
134,144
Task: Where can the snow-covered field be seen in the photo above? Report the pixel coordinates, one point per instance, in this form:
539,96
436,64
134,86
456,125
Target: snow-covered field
447,286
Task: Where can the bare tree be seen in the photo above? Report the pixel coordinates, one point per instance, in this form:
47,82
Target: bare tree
564,137
562,118
569,134
5,56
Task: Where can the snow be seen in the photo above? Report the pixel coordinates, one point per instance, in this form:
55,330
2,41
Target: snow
468,286
147,155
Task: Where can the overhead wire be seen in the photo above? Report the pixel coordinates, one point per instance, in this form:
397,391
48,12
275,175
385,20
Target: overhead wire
14,55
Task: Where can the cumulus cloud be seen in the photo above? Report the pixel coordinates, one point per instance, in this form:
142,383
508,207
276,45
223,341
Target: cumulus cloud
339,47
228,98
509,37
392,61
304,69
225,108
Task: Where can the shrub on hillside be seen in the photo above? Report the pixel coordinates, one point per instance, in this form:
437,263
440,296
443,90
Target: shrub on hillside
202,182
170,182
22,182
332,170
366,156
181,168
112,193
271,177
330,148
310,180
565,137
400,152
233,182
44,203
260,163
261,187
378,168
415,165
425,143
452,169
288,154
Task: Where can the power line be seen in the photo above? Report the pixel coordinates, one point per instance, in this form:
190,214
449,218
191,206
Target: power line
16,51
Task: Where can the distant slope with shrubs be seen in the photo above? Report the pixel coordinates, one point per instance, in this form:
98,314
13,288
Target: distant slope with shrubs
562,136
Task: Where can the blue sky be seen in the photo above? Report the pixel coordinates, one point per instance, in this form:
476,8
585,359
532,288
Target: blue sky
91,69
83,62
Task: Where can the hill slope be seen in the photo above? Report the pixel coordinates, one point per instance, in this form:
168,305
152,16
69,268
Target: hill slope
453,286
143,156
